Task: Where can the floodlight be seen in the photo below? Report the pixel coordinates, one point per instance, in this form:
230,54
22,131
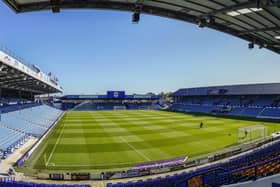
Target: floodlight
135,17
251,45
201,23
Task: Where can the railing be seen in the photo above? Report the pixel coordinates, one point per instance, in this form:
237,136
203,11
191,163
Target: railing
15,56
7,178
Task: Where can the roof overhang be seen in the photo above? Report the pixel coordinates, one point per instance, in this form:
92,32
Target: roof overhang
243,89
15,75
257,21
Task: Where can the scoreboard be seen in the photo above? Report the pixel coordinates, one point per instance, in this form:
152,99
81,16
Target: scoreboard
115,94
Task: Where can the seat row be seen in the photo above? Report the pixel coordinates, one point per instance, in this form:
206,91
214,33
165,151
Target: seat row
17,126
257,164
32,121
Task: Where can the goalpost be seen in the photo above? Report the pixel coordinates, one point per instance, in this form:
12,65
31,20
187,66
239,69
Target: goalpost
251,133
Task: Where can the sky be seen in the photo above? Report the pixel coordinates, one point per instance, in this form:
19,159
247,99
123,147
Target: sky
92,51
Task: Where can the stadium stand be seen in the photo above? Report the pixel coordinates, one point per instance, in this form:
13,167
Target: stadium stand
251,166
270,113
22,117
258,100
113,100
42,115
32,121
17,126
10,138
18,106
29,184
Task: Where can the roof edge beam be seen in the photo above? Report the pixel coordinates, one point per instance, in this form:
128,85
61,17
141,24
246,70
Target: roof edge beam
248,4
261,30
13,5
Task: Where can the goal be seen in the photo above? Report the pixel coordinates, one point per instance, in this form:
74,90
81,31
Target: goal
251,133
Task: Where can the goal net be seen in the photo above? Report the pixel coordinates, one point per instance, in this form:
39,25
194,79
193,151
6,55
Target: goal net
251,133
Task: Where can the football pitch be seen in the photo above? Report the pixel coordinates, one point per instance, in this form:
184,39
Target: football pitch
102,140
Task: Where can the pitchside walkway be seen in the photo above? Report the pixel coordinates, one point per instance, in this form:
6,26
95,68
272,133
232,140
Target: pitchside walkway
8,163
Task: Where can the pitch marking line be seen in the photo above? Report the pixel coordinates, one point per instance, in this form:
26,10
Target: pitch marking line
54,147
136,150
97,165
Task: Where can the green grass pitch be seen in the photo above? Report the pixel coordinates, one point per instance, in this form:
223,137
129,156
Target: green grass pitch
101,140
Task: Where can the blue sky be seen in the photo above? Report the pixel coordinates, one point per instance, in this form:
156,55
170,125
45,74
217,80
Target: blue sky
92,51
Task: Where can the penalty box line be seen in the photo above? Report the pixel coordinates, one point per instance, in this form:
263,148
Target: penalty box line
54,147
136,150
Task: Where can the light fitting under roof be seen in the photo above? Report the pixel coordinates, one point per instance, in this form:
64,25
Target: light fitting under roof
243,11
